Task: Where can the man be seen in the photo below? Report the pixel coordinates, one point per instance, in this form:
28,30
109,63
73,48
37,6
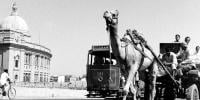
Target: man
183,53
169,59
195,58
186,66
4,80
187,40
177,38
196,51
187,62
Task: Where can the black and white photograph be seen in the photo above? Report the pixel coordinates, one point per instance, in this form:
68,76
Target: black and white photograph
100,49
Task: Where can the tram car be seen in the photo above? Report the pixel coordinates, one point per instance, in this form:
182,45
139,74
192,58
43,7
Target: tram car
103,72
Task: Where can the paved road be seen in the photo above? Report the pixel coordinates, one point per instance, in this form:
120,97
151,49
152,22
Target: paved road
65,98
49,93
37,98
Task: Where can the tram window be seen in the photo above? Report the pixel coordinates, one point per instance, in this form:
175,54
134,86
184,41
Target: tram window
98,60
89,62
94,59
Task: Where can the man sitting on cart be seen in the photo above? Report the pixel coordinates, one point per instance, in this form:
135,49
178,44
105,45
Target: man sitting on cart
186,62
169,59
183,53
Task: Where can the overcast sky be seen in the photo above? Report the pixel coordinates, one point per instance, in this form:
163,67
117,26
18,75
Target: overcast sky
70,27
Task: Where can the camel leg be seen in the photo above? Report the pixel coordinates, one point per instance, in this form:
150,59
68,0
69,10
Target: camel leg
146,88
130,79
152,86
124,97
133,90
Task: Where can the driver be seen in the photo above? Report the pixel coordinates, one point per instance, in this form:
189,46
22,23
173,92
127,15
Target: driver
169,59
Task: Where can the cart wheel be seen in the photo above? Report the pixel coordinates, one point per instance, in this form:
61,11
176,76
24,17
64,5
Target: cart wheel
192,92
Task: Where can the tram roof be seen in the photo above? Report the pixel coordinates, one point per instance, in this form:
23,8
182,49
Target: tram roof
102,50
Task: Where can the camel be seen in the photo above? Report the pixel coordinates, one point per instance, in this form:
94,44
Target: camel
133,58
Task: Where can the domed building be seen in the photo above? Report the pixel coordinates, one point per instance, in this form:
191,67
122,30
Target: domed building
26,61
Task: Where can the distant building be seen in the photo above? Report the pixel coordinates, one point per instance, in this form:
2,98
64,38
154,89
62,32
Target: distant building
67,78
26,61
61,78
73,79
53,78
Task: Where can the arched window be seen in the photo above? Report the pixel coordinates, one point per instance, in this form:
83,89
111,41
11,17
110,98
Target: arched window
16,61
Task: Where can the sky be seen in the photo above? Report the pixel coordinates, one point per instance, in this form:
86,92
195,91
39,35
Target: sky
70,27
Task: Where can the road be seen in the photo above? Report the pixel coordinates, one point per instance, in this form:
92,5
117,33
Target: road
49,93
37,98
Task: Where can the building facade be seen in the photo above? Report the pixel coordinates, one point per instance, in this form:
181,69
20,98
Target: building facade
26,61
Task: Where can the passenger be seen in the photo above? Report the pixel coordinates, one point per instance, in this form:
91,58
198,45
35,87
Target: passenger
196,51
189,63
183,53
195,58
186,66
169,59
177,38
187,40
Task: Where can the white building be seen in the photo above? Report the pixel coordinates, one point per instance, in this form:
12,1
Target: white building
26,61
61,79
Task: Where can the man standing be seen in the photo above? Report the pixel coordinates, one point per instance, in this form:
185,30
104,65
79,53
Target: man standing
187,40
177,38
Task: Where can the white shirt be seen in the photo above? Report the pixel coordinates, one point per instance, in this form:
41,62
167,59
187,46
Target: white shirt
4,77
170,59
195,58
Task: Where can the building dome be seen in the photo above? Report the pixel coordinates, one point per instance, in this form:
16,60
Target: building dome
14,22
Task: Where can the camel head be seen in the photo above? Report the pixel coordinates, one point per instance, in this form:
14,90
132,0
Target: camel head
111,17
